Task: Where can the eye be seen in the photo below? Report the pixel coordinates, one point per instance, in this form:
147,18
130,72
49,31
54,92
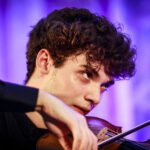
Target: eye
87,75
103,89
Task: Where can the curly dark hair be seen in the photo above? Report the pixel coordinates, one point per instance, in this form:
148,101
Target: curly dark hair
73,31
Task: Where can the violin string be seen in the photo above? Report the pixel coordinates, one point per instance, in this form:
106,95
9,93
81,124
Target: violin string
110,134
121,135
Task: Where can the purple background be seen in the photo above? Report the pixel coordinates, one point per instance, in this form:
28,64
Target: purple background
127,103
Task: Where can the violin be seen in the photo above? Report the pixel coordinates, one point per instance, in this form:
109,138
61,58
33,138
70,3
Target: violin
114,142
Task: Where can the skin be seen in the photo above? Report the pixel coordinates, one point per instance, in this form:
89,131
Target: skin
79,87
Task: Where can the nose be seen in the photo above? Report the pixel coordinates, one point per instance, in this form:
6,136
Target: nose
93,93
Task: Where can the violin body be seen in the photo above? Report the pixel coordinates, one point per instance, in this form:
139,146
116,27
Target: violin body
50,142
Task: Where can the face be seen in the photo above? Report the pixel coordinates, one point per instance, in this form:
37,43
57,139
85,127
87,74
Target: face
77,84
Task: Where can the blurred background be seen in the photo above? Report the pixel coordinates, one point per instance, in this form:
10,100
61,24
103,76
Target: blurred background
127,103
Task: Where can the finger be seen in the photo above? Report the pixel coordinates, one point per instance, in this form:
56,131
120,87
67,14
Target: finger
94,142
65,143
86,141
77,138
81,135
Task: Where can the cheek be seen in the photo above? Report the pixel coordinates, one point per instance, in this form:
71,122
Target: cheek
70,88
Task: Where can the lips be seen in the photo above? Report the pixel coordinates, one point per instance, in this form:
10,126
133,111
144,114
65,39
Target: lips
82,111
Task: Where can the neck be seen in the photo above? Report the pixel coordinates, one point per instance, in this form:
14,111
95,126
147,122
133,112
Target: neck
35,117
34,81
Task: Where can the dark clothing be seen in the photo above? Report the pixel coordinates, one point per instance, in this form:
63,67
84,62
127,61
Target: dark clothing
16,130
17,98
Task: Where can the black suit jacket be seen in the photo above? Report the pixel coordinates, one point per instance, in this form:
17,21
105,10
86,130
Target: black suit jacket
17,98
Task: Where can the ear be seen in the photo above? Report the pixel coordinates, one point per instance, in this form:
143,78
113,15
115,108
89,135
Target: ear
44,61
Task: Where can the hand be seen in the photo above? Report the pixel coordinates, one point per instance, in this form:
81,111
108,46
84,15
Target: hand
61,119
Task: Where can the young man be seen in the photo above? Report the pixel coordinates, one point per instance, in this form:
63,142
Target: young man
75,56
20,99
